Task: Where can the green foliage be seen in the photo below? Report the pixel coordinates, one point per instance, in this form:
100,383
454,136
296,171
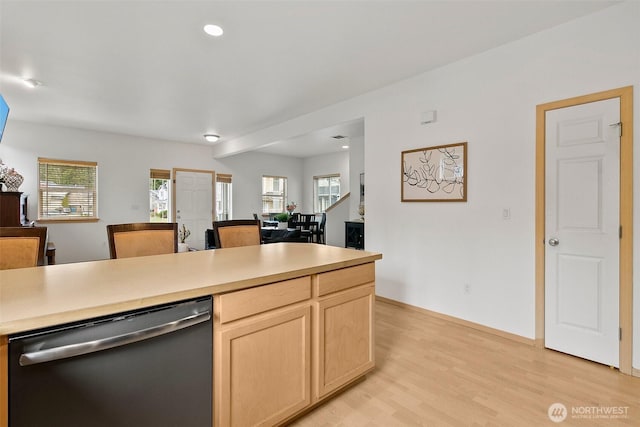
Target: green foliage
156,183
281,217
68,174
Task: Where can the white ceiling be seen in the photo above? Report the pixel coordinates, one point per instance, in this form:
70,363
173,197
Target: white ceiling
146,68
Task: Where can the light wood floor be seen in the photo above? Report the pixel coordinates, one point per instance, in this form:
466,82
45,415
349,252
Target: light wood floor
431,372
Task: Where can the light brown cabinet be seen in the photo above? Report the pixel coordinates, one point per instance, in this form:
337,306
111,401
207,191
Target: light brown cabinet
293,323
345,339
266,368
283,347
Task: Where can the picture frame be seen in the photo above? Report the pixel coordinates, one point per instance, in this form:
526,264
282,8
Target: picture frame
434,174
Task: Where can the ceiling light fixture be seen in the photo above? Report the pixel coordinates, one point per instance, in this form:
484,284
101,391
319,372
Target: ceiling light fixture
213,30
31,83
209,137
345,146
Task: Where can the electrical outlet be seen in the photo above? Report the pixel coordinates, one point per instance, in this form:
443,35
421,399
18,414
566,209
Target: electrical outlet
467,288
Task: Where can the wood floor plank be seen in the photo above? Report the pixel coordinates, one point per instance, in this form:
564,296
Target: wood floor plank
431,372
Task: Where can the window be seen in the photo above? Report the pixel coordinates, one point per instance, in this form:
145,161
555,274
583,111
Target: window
326,191
223,197
159,180
67,190
274,194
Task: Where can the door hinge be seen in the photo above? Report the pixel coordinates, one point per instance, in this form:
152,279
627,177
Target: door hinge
620,232
619,125
619,334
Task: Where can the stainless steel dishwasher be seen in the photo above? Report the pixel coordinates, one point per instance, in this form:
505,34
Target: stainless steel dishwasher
151,367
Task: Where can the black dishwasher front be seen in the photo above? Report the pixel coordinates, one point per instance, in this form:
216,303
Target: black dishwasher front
151,367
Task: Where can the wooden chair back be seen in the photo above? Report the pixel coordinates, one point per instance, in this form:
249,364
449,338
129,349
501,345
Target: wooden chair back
22,247
237,232
142,239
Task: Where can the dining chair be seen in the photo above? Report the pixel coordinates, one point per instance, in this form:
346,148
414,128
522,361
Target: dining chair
307,225
320,230
22,247
142,239
237,232
294,219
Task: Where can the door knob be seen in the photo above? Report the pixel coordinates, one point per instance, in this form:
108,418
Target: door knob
554,242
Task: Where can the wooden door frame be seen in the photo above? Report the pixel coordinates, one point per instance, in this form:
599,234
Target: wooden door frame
173,190
626,215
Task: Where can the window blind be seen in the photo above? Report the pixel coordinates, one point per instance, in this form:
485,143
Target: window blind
223,177
160,174
67,190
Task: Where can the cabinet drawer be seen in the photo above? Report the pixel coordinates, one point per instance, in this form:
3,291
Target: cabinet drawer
338,280
236,305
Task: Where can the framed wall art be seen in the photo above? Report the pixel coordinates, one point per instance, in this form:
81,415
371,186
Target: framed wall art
435,174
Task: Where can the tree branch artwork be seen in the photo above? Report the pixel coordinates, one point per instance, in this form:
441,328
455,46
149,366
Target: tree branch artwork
435,174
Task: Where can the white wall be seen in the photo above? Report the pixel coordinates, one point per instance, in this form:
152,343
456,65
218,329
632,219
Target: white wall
335,228
123,177
327,164
431,250
248,169
356,167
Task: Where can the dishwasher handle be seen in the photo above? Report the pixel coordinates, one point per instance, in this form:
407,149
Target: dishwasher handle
93,346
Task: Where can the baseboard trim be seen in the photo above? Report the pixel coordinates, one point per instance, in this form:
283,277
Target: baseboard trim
635,372
458,321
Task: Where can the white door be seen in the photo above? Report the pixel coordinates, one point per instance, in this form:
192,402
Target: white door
194,204
582,230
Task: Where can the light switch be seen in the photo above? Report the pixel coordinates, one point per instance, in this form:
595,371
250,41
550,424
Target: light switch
506,213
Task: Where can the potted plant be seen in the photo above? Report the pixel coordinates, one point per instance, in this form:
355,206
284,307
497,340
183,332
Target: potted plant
183,234
283,219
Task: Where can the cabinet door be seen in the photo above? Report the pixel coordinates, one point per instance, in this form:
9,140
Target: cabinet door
345,338
266,368
10,209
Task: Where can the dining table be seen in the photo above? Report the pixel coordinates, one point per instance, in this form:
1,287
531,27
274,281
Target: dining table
275,234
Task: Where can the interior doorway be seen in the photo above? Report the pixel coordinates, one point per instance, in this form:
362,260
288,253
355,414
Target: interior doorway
625,207
193,205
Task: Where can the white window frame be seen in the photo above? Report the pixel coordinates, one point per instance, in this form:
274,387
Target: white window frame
318,205
274,195
224,197
161,195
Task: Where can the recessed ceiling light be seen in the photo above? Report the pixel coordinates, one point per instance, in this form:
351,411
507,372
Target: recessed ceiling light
209,137
32,83
213,30
345,146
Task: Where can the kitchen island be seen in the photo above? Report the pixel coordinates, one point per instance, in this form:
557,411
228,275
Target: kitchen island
298,317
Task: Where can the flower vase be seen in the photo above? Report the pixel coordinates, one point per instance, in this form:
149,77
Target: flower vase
183,247
13,182
283,225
